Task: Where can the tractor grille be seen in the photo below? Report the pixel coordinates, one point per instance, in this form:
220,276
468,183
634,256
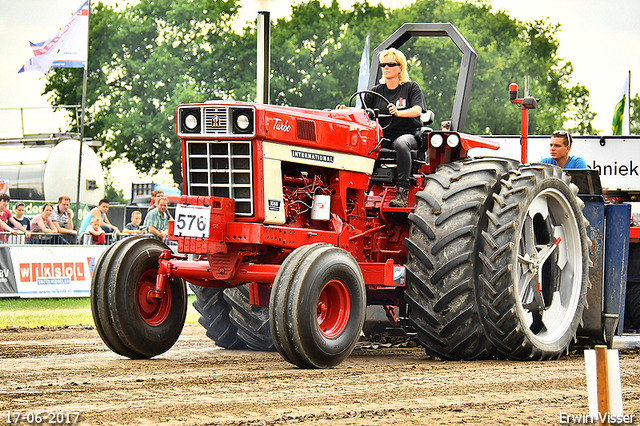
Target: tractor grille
215,120
222,169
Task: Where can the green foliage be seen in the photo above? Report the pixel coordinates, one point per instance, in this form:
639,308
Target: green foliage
113,194
634,122
148,58
143,62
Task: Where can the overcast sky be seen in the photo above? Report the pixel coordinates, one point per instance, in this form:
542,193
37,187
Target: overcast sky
601,38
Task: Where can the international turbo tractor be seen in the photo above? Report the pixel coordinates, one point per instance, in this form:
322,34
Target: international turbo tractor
285,235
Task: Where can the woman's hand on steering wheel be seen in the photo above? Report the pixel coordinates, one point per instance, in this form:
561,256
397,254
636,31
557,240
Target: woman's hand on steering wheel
361,94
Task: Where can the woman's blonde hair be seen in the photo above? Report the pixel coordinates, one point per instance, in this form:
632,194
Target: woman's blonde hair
399,58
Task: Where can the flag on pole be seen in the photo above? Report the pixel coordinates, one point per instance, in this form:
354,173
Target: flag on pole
363,78
620,124
67,49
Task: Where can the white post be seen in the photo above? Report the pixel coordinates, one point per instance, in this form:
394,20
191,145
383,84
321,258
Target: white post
604,389
82,109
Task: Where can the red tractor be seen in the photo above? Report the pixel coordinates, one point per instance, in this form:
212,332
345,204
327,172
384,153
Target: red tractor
286,236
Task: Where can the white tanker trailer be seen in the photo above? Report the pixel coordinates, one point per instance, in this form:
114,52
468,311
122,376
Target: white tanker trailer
45,166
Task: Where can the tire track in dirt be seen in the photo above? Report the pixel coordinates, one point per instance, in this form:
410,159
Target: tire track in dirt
196,383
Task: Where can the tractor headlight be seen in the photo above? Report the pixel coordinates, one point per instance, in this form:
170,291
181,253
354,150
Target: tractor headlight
437,140
453,140
190,120
242,120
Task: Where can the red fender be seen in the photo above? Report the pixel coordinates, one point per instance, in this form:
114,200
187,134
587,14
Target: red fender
470,141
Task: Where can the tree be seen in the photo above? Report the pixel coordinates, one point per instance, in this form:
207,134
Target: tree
113,194
143,62
148,58
634,122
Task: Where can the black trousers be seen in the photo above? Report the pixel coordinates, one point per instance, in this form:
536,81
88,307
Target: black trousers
403,146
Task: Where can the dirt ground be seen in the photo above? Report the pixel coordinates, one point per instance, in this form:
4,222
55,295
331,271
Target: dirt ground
70,370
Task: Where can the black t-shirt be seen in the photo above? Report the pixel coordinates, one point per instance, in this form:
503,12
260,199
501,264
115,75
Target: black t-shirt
404,96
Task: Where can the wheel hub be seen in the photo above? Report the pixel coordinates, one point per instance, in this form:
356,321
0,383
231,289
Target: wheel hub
153,306
532,268
549,266
334,308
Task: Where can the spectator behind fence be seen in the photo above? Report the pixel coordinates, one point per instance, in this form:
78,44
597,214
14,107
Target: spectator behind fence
154,201
18,215
62,218
42,224
133,227
8,222
101,213
157,220
4,227
18,210
97,233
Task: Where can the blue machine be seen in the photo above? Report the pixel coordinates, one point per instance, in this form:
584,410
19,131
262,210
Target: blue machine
608,229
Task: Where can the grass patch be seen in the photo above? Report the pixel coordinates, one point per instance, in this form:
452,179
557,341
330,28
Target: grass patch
58,312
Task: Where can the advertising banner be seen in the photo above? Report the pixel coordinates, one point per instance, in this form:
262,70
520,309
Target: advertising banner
615,157
55,271
8,287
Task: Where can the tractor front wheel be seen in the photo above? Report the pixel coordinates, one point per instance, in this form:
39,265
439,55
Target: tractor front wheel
132,319
317,306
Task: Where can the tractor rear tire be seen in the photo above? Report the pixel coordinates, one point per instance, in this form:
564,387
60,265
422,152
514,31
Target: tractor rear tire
317,306
441,267
632,297
535,264
252,322
632,308
214,317
137,325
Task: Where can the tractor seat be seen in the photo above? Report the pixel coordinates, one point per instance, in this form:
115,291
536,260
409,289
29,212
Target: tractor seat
384,169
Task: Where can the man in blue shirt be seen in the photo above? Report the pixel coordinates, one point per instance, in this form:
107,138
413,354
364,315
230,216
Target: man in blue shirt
559,149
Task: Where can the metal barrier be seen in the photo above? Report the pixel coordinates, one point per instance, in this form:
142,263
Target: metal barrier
10,238
85,238
36,238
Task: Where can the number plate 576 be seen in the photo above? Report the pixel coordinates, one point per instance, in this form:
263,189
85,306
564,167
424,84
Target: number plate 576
192,221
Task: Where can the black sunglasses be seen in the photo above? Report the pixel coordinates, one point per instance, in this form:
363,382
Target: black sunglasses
563,133
389,64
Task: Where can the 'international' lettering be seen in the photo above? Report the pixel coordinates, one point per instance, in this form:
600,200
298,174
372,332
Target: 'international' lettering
312,156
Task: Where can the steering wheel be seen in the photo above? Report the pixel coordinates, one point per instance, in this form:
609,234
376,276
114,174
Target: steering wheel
361,94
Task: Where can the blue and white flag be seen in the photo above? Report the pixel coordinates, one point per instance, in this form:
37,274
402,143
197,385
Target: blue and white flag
363,78
67,49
